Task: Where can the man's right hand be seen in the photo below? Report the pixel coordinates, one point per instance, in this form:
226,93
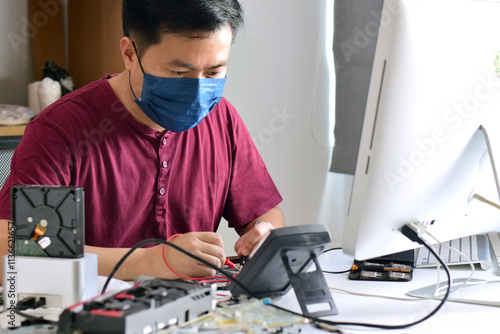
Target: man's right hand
205,245
149,261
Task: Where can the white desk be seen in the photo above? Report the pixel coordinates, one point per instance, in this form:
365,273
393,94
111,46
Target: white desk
453,317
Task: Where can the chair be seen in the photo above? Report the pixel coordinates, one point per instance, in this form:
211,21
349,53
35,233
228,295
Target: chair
7,146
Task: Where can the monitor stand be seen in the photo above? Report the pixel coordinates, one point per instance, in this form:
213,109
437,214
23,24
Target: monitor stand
485,189
311,289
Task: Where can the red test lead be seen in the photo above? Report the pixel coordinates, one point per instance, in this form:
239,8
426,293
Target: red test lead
229,263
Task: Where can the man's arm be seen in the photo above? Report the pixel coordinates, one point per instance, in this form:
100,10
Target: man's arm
252,233
149,261
107,257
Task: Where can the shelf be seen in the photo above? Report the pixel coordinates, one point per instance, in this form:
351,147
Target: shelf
16,130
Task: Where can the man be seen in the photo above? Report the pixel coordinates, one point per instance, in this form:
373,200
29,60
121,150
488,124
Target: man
157,149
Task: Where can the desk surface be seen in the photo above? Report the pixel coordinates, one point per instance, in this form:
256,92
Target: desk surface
454,317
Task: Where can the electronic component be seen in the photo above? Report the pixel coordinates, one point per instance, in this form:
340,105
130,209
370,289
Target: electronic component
48,220
61,281
151,305
281,261
247,316
380,272
394,267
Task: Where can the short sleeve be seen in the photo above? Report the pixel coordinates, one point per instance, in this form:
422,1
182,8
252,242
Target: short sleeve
252,191
42,157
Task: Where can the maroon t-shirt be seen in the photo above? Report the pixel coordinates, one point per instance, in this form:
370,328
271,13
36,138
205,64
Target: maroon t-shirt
141,183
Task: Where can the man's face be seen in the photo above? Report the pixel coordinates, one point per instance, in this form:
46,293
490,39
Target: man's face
177,56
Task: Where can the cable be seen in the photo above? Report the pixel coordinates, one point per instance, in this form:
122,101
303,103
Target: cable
164,242
379,296
334,272
35,320
331,249
407,231
485,200
31,303
467,258
413,233
337,272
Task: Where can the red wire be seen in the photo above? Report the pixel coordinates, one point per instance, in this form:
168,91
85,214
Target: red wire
186,277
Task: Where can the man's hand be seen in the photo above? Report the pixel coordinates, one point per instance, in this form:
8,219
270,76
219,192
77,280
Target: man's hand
253,232
249,240
206,245
149,261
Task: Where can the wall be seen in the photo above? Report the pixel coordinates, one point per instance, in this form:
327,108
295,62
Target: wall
280,78
16,66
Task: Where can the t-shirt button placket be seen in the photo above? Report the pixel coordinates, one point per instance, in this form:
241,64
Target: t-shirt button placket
164,164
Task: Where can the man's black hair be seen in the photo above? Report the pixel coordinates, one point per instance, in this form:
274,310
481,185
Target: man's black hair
146,20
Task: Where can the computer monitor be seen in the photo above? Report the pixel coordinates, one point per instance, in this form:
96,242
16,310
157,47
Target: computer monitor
433,100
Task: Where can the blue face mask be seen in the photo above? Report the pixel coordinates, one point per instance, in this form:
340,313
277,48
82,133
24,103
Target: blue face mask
178,104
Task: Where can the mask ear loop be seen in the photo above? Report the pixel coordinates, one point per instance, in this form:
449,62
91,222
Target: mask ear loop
138,58
140,64
130,84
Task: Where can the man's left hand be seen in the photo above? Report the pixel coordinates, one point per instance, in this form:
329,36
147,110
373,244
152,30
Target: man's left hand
245,244
255,231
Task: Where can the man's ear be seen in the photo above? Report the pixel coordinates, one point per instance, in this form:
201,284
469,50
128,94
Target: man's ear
128,54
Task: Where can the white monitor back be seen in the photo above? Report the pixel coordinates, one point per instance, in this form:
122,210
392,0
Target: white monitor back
422,151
